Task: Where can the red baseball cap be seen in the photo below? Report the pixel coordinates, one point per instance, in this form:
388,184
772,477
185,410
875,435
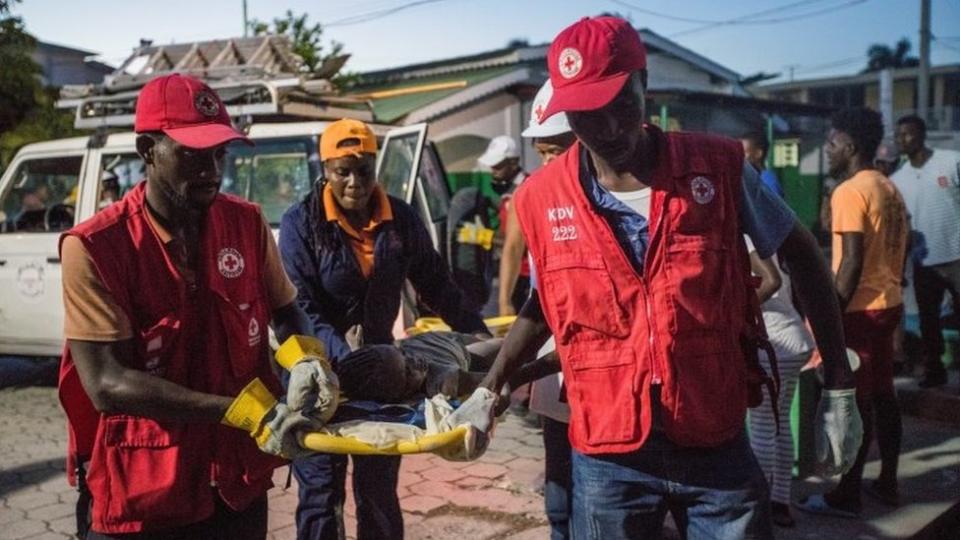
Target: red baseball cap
589,62
186,110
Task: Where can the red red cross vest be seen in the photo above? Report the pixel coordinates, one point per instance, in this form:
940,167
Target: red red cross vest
147,474
682,323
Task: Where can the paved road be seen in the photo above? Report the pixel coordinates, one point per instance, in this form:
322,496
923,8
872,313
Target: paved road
495,497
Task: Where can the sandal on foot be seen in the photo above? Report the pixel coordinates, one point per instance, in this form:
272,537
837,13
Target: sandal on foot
816,504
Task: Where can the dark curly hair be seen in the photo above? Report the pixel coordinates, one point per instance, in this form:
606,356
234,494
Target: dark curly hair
915,121
366,374
864,126
759,140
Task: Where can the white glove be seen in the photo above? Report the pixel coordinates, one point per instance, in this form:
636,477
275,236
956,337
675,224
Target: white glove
314,389
839,431
477,413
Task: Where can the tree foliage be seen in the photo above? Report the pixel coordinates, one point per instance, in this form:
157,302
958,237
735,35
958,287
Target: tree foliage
42,123
19,84
318,60
881,56
27,112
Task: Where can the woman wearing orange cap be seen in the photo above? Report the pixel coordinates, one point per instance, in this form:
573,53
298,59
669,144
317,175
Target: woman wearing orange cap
349,248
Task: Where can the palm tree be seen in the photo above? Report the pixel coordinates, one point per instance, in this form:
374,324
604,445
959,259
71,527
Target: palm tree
880,56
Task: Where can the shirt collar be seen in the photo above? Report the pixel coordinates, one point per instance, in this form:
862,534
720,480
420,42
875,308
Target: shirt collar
162,233
382,210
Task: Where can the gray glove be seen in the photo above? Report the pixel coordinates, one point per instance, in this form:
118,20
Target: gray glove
275,427
839,431
282,430
313,389
477,412
354,337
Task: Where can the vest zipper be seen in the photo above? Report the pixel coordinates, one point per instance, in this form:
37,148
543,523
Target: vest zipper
655,379
651,329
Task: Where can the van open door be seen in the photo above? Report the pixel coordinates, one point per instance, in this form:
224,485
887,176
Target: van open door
398,164
409,169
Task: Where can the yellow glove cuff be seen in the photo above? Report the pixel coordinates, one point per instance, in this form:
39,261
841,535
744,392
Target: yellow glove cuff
298,348
250,407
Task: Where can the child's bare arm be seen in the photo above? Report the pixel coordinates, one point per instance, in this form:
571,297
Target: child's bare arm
539,368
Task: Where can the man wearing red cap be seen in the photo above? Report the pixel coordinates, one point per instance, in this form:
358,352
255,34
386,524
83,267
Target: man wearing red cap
643,279
166,378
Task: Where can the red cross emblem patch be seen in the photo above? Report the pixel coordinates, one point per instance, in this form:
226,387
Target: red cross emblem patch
253,333
570,63
703,190
229,263
206,104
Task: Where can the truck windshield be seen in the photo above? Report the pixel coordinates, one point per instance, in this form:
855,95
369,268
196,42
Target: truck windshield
274,174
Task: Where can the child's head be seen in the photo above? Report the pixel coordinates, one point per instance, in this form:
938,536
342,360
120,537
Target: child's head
380,373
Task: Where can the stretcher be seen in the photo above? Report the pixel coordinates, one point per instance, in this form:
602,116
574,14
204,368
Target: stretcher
498,326
338,444
410,439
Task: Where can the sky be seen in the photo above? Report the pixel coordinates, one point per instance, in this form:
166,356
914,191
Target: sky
811,38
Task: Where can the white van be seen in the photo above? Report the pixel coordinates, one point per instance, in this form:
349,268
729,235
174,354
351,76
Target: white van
51,186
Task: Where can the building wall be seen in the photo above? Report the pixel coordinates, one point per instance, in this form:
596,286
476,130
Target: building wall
60,67
944,102
501,114
904,95
669,72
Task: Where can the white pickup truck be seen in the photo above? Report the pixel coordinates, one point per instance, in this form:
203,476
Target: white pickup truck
52,185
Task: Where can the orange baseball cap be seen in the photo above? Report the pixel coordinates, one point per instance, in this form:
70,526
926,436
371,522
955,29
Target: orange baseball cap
347,138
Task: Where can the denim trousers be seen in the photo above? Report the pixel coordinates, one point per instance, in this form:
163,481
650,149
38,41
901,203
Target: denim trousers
712,493
322,490
557,483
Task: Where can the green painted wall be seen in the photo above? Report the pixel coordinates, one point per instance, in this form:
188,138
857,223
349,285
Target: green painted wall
802,192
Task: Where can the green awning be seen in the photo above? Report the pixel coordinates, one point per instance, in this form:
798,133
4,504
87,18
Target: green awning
401,98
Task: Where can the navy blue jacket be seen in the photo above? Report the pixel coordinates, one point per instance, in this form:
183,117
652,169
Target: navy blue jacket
333,292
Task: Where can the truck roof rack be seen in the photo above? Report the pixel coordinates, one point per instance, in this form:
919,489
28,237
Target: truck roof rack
256,77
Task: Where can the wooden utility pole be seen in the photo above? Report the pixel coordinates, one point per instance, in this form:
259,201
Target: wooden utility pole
923,75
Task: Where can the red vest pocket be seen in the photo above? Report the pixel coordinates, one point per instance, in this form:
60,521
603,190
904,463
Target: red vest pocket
158,344
698,276
150,475
582,293
606,403
704,398
246,322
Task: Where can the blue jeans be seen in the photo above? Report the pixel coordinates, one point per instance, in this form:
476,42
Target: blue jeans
557,484
322,490
713,493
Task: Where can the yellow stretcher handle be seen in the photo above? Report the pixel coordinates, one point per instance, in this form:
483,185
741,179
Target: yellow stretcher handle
334,444
498,326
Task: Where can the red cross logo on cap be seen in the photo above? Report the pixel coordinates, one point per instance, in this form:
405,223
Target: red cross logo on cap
539,112
571,62
206,104
230,263
703,190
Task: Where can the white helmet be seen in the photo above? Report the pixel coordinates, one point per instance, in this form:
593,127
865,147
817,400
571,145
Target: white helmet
555,125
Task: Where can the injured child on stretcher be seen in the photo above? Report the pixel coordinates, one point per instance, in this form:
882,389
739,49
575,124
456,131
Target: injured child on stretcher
424,365
401,398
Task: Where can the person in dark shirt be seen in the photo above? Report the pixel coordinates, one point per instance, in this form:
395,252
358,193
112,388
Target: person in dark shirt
349,248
